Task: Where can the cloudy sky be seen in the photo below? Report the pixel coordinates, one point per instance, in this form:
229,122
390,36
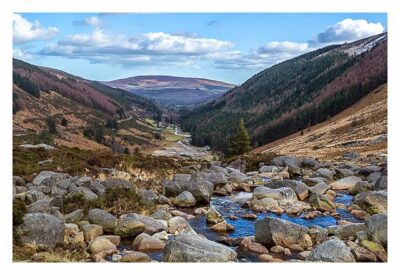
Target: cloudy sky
227,47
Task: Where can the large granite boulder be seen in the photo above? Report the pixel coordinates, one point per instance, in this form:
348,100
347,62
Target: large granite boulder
102,218
300,188
333,250
192,248
42,229
275,231
377,229
262,192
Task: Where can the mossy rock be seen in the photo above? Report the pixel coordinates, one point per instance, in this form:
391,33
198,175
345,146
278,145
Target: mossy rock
373,247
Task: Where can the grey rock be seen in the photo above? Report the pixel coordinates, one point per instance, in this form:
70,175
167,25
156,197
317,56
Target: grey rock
268,169
41,206
49,176
129,226
147,197
236,176
152,225
343,173
200,188
346,231
216,178
365,171
372,201
102,218
300,188
42,229
345,183
261,192
87,193
325,173
283,161
18,181
191,248
184,199
377,228
333,250
74,217
362,186
275,231
381,184
114,183
161,215
374,176
98,188
319,188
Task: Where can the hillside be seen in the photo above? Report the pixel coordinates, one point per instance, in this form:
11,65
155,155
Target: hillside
171,90
361,128
292,95
86,114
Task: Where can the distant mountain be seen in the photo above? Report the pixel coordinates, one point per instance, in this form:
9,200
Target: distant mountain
292,95
171,90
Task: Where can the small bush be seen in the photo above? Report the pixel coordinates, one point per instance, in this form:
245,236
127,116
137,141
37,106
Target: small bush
19,211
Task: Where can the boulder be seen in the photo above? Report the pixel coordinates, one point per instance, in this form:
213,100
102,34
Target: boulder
343,173
275,231
146,243
177,185
346,231
238,177
239,165
152,225
192,248
362,186
147,197
261,192
135,257
184,199
102,218
374,176
216,178
319,188
322,203
249,248
381,184
289,161
367,170
265,202
213,216
114,183
40,206
317,233
41,229
129,226
91,231
200,188
102,247
268,169
98,188
346,183
222,227
48,178
314,181
333,250
161,215
372,201
87,193
298,187
74,217
177,224
377,229
325,173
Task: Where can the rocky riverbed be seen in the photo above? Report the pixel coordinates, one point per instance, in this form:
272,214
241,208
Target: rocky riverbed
291,209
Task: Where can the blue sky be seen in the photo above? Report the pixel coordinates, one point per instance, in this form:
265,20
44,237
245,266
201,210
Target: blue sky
221,46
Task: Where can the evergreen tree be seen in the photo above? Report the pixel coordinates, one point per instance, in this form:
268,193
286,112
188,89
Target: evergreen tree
240,143
64,122
51,124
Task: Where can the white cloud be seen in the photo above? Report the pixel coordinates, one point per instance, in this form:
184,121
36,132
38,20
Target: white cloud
89,21
276,47
25,31
189,50
348,30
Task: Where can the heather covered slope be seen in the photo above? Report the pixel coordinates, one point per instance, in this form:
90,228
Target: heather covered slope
293,95
80,110
361,128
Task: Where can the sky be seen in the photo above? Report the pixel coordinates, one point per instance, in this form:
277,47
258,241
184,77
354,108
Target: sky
229,47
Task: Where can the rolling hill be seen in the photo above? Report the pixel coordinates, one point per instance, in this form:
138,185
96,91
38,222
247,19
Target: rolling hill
292,95
41,93
173,91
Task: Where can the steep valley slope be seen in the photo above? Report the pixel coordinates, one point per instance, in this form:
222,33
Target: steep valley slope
361,128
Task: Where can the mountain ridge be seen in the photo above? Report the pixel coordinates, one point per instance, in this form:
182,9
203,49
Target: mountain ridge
292,95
